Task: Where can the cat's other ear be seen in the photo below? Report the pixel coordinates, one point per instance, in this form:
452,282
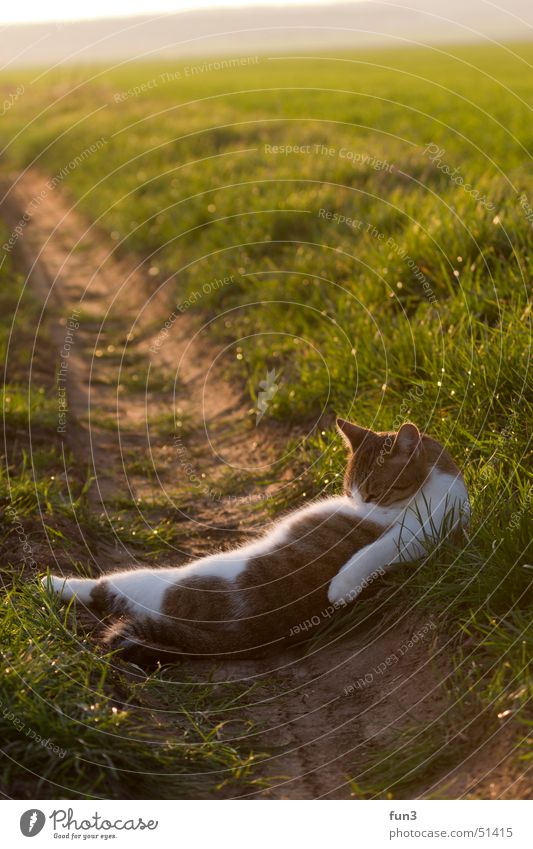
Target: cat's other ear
407,441
352,434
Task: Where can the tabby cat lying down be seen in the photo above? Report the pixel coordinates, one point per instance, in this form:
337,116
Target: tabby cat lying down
401,491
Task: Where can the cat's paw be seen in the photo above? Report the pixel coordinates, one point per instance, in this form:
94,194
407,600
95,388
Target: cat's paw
341,589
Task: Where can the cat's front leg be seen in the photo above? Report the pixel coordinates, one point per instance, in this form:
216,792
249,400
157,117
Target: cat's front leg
371,562
409,539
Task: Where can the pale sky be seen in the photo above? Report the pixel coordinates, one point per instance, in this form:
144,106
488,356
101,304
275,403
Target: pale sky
32,11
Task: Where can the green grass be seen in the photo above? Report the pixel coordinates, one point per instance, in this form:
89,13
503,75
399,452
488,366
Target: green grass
186,180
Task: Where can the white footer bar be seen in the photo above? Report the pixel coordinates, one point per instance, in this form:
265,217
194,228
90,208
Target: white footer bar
268,825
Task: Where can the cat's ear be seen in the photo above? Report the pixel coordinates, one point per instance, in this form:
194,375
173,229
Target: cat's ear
407,440
352,434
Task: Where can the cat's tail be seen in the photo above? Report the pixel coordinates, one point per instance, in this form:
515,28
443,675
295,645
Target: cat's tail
148,642
146,646
82,589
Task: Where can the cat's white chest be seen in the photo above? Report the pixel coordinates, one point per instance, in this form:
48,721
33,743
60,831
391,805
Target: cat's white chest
440,504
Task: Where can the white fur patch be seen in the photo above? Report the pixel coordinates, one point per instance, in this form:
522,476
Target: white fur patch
144,589
68,588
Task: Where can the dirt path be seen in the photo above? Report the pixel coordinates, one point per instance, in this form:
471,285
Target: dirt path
181,427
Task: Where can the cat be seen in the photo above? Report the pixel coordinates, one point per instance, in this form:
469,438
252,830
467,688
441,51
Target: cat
402,491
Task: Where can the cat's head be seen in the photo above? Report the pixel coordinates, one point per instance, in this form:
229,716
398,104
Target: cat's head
384,468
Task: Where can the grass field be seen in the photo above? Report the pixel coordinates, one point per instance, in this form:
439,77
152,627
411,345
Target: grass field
371,216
